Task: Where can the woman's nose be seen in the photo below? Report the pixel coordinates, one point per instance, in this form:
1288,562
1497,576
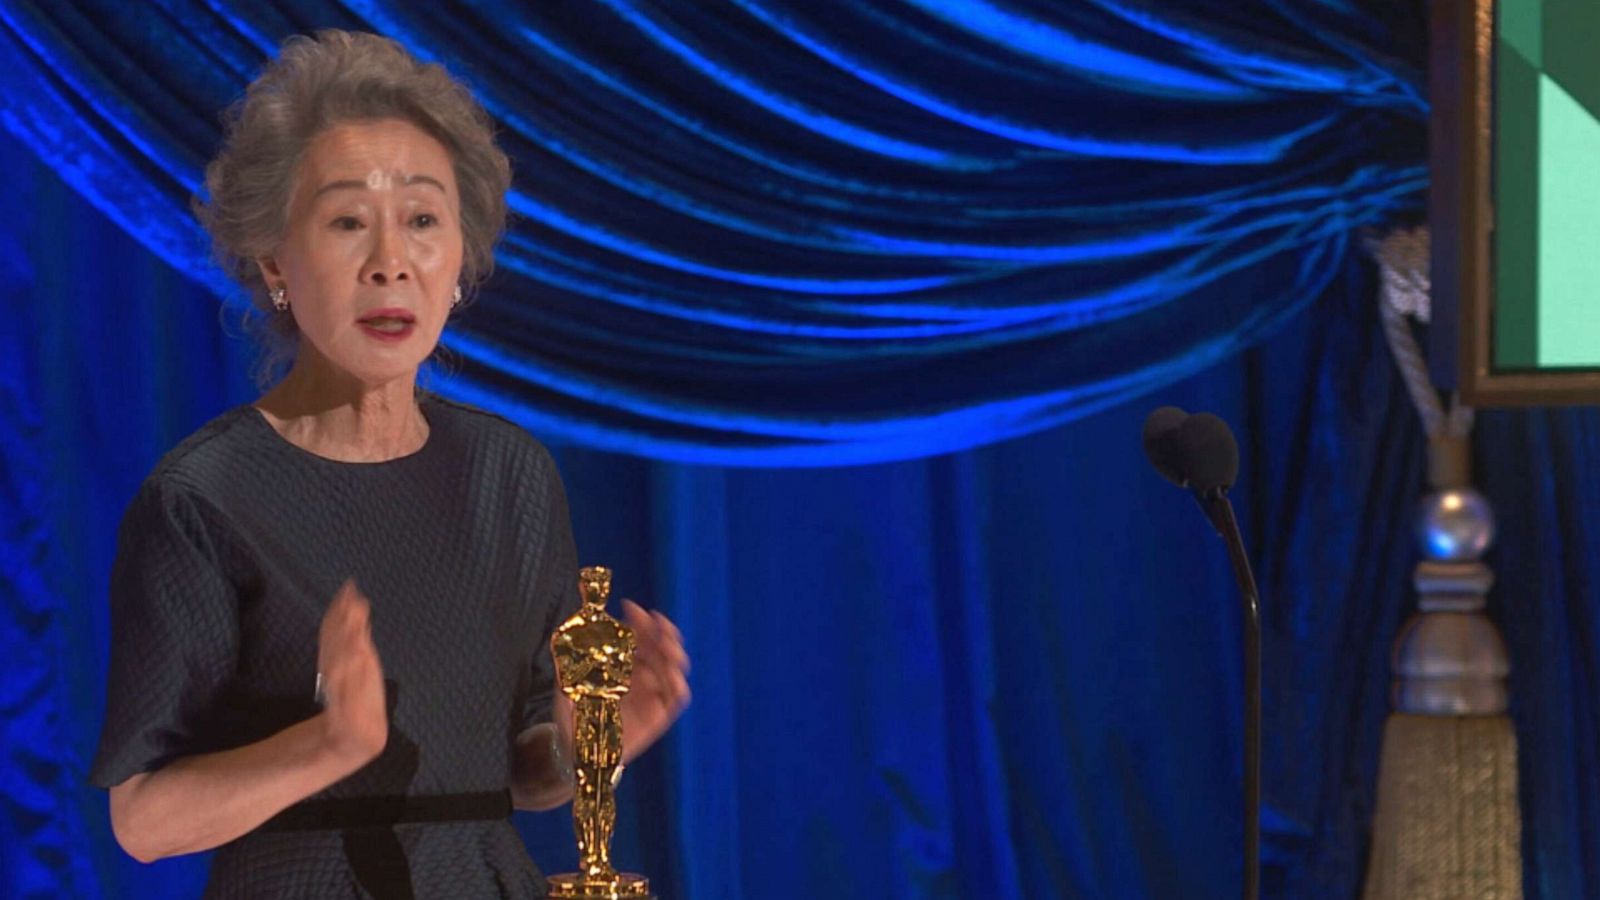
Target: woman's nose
388,262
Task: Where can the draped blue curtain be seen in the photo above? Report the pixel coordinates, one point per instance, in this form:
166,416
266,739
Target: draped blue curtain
831,313
813,233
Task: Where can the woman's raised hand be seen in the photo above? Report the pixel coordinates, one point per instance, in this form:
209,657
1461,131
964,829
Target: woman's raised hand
659,690
352,678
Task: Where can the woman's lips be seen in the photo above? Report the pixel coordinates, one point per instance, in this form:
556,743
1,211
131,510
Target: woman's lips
388,324
384,328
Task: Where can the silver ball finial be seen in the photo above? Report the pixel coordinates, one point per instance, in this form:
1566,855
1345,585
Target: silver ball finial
1455,525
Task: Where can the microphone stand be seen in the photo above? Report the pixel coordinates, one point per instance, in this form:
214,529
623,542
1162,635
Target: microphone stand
1220,511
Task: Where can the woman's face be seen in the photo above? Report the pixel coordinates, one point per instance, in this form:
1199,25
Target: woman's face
372,252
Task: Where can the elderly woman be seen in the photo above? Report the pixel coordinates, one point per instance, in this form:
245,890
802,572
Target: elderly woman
331,609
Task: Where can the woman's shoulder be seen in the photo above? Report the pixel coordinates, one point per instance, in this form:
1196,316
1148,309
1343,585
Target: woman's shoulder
481,426
208,458
189,484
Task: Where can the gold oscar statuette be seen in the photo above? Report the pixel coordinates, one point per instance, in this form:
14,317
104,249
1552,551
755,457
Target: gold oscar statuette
594,661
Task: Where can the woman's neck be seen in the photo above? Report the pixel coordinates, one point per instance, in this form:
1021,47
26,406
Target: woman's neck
335,416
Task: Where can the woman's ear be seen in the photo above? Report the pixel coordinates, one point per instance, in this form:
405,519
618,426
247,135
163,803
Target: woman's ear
271,272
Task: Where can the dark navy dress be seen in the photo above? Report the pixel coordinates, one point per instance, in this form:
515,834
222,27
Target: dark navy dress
228,557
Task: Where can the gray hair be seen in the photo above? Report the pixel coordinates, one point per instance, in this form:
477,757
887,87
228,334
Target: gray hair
325,80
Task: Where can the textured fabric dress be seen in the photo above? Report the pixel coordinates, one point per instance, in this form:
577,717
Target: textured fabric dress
227,559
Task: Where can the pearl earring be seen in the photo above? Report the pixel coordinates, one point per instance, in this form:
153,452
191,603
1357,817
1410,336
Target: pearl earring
455,299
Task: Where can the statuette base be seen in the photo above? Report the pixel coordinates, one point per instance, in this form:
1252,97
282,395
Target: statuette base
574,885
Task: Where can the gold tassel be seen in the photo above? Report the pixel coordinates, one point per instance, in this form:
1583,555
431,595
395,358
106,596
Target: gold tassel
1447,826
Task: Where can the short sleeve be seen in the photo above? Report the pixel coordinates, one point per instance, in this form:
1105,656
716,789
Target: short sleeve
556,592
174,635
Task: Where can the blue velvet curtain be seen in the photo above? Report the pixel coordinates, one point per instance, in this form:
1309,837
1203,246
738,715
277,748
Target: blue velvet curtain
813,233
831,313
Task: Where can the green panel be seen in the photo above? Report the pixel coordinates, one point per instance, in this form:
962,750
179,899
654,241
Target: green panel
1569,230
1521,26
1571,49
1516,193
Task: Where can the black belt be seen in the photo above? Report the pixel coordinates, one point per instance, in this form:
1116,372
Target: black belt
339,813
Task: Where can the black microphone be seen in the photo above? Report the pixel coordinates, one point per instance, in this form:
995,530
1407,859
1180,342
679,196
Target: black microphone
1161,443
1199,452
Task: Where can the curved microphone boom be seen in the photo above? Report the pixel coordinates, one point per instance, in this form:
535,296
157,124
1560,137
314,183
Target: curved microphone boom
1199,452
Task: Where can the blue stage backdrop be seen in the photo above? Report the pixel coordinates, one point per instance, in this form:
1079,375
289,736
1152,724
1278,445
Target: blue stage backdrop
832,313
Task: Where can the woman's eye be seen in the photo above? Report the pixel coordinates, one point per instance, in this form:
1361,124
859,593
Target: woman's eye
347,223
425,220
